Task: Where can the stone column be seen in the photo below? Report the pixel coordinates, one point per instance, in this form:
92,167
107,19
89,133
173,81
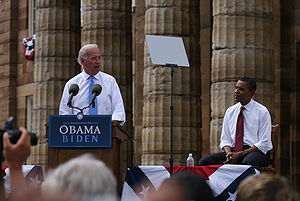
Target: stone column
290,94
172,18
242,46
57,44
108,24
205,54
8,58
138,66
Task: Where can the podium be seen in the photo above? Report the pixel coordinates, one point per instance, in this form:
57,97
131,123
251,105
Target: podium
115,157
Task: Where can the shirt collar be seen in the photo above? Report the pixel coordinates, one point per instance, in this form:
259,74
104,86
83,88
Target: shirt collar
248,106
86,76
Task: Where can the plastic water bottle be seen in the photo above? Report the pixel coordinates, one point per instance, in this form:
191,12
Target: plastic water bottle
190,160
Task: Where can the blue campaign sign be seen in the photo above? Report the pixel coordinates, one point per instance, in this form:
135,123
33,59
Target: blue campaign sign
87,131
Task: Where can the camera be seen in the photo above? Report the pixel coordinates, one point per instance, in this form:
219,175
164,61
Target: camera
15,133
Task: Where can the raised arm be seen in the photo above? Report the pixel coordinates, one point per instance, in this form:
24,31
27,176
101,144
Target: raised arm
15,155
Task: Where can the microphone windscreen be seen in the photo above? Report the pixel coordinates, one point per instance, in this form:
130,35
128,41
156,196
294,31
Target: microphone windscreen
97,89
74,89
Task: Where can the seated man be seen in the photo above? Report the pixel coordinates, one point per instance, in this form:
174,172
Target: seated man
246,132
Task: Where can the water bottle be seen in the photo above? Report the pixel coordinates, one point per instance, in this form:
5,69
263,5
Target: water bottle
190,160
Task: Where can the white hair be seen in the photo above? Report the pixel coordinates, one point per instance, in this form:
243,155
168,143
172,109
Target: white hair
84,178
82,52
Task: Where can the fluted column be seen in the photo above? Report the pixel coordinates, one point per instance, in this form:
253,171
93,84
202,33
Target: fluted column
205,55
57,44
108,24
290,92
138,41
171,18
242,46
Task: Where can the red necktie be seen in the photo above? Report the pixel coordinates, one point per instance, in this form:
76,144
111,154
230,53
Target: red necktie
239,138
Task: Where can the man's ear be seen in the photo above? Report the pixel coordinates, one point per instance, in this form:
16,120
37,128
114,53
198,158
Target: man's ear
82,60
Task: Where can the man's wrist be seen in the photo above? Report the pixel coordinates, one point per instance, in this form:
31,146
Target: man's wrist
227,151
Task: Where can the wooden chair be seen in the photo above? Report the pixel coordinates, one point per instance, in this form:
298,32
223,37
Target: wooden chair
274,153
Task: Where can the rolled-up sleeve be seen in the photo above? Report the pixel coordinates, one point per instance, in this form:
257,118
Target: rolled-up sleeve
264,143
118,111
63,108
226,139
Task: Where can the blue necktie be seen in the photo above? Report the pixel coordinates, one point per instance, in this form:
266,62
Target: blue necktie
92,111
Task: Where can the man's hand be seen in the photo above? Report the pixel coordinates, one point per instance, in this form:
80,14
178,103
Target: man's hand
16,154
233,157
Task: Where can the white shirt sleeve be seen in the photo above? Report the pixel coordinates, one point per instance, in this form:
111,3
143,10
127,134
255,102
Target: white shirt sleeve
63,108
264,143
118,112
225,135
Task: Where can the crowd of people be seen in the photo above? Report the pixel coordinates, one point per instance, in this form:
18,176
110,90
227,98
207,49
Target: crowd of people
85,178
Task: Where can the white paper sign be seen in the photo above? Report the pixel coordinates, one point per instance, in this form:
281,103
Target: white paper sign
166,50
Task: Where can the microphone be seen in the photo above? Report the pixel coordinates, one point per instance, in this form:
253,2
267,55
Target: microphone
96,90
73,91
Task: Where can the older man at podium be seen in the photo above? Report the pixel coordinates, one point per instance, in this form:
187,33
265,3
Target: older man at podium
108,102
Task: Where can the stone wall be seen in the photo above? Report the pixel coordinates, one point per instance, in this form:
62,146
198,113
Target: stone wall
57,44
138,82
8,58
289,91
24,67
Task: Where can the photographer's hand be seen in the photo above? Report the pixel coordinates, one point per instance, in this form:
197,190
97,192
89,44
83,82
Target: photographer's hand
15,155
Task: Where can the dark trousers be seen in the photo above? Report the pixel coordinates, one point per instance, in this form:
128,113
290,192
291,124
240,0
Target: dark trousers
254,158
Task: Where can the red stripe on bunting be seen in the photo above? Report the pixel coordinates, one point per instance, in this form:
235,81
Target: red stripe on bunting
2,170
204,171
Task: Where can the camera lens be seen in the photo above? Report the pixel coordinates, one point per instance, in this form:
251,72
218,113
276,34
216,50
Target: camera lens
33,138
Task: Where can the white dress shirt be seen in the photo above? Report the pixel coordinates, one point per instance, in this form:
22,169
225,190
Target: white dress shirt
257,126
109,101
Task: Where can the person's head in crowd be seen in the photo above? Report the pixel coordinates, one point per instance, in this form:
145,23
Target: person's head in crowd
84,178
266,187
183,186
244,90
89,58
